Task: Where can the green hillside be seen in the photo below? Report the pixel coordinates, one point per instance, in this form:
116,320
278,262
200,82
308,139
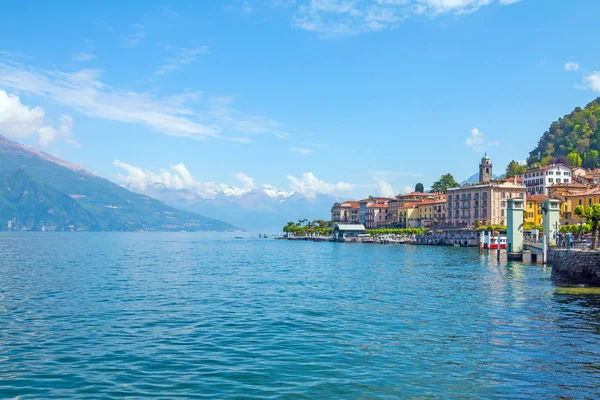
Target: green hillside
576,135
40,192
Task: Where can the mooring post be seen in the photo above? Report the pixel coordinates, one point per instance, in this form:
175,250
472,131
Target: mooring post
544,249
481,242
498,241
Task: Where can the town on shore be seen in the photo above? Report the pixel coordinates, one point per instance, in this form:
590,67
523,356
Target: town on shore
452,214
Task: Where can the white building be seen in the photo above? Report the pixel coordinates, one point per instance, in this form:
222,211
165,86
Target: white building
538,180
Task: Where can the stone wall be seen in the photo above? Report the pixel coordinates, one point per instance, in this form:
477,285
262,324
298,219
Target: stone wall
576,267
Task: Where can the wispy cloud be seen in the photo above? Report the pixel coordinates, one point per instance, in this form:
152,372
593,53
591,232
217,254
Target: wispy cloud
84,57
478,142
301,150
183,57
239,6
83,92
396,173
572,66
135,38
332,18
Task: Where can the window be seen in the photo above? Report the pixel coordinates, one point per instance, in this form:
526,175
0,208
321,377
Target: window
503,195
551,180
502,213
590,202
579,201
557,180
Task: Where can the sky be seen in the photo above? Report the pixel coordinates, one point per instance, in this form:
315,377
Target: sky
342,97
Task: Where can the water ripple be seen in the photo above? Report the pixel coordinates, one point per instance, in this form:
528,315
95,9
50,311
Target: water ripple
98,315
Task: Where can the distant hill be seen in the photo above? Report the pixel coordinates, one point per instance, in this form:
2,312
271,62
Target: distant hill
577,132
475,179
41,192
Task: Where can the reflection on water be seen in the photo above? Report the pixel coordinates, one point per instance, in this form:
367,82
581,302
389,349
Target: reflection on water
183,315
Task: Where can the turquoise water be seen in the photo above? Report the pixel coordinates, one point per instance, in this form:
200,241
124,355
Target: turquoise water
111,315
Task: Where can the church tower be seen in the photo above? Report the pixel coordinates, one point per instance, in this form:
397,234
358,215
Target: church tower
485,169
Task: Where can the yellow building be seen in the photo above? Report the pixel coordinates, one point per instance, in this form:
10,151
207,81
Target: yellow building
532,209
432,212
585,199
408,216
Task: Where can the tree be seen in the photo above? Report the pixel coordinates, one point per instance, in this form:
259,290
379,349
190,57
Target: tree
574,159
445,182
514,169
419,188
592,216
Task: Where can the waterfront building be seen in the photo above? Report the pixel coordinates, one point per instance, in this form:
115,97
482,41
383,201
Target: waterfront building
346,212
408,216
540,179
484,202
570,202
533,209
432,212
343,231
393,213
376,215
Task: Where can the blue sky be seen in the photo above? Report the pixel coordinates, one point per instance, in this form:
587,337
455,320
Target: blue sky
316,96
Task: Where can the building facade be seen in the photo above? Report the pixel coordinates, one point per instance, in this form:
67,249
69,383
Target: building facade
485,203
539,180
376,215
432,212
347,212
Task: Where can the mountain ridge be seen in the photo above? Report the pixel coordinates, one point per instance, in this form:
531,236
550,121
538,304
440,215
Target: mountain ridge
43,192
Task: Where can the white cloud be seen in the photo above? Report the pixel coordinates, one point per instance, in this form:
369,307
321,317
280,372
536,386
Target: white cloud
48,134
84,92
301,150
178,179
17,121
478,142
592,81
84,57
572,66
383,188
309,186
183,57
136,37
331,18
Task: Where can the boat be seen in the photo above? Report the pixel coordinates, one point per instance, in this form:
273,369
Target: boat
491,242
239,237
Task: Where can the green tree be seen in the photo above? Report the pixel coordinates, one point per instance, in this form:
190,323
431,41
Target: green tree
514,169
574,159
419,188
592,216
445,182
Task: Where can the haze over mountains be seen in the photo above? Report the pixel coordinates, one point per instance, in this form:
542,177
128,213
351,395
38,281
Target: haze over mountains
41,192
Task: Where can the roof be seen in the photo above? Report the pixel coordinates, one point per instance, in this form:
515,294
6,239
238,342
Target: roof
434,201
548,167
377,205
536,197
416,194
349,227
407,206
591,192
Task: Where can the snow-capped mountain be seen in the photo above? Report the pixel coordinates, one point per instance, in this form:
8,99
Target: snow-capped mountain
256,208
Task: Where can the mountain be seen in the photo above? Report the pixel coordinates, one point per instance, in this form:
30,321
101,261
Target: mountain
41,192
259,208
475,179
576,135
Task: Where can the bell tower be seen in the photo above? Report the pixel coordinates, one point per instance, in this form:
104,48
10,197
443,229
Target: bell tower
485,169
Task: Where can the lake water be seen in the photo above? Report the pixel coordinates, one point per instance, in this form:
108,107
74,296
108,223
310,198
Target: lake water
181,315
